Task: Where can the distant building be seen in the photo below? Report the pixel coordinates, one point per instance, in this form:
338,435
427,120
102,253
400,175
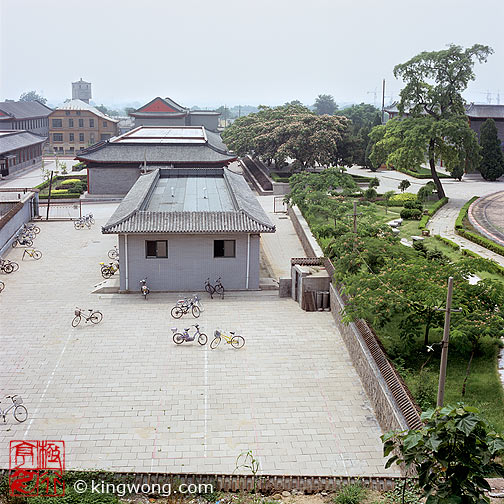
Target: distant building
166,112
19,149
31,116
114,166
76,125
81,90
178,227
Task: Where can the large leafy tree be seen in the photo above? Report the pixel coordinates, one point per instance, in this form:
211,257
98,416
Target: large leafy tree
436,125
292,132
452,454
491,166
32,96
325,104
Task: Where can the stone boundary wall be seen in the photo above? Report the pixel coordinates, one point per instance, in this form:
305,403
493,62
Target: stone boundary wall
391,400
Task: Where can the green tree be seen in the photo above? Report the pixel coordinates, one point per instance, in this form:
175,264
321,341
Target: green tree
32,96
452,454
129,110
404,184
436,124
362,115
374,182
325,104
491,165
386,197
105,110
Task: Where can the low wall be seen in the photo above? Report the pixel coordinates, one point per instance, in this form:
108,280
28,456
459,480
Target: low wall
281,188
310,245
10,223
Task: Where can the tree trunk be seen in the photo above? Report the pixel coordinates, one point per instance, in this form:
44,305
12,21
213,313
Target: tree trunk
439,186
467,373
426,334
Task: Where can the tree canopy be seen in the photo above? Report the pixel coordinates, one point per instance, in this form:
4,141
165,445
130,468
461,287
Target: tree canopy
292,132
325,104
491,165
32,96
436,126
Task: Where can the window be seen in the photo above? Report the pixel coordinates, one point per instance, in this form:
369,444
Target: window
81,123
67,112
224,248
57,137
105,124
71,149
72,137
104,136
81,137
156,249
70,123
78,112
91,123
57,123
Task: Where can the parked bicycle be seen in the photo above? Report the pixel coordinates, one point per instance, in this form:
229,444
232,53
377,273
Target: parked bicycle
93,316
107,270
184,305
8,266
114,253
213,289
33,253
2,286
179,338
84,221
144,289
235,340
23,241
20,412
31,228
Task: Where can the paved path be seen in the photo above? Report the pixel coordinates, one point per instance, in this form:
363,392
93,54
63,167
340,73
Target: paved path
124,397
281,246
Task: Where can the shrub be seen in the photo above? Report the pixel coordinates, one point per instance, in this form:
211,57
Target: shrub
402,198
59,191
481,240
448,242
459,223
424,192
411,214
370,194
351,494
413,204
71,181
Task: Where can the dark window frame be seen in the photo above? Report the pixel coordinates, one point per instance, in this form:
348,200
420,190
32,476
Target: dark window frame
81,137
54,137
219,249
57,123
81,123
154,248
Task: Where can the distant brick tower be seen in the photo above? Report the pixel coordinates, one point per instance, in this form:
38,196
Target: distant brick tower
81,90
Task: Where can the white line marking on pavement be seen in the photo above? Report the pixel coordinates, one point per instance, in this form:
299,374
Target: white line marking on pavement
205,381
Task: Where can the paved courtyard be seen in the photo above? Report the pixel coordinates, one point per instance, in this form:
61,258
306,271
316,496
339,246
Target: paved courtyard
124,397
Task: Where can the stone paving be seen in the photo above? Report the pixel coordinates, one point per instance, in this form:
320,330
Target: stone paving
124,397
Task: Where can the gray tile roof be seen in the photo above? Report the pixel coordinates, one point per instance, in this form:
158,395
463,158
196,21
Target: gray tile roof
25,109
14,139
485,111
81,105
131,216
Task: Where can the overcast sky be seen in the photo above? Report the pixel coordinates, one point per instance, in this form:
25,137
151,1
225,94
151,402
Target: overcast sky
214,52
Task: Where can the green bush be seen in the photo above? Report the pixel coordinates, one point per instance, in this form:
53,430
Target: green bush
411,214
459,223
413,204
370,194
448,242
424,221
493,266
351,494
402,198
61,196
481,240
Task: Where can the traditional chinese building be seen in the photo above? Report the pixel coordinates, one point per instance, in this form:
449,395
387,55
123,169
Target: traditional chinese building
19,149
115,165
32,116
76,125
166,112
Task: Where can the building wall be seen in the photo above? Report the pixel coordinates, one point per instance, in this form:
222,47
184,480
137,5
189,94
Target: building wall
160,121
477,123
27,156
111,180
190,262
209,122
37,125
101,129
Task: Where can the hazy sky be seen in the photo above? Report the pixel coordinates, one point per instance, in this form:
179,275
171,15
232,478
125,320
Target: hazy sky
213,52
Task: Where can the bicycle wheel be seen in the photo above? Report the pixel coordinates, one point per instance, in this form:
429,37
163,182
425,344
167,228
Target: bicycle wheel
237,341
177,312
15,243
96,317
29,243
178,338
37,254
215,342
195,311
8,268
20,413
220,290
77,224
15,265
91,220
202,339
2,286
113,254
36,229
76,321
210,290
106,273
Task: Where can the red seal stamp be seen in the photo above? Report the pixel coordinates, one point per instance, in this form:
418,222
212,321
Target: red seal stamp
36,468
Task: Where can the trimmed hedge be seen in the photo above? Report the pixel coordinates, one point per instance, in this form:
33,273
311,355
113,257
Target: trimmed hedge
446,241
423,175
459,223
411,214
402,198
59,178
425,219
496,267
481,240
61,196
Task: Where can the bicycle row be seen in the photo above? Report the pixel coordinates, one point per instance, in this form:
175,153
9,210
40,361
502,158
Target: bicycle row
235,340
84,221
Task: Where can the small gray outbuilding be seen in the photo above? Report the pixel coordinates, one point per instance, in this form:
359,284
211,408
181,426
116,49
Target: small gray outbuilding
178,227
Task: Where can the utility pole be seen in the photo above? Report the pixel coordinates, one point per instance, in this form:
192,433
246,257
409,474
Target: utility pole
444,344
383,103
355,215
49,195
